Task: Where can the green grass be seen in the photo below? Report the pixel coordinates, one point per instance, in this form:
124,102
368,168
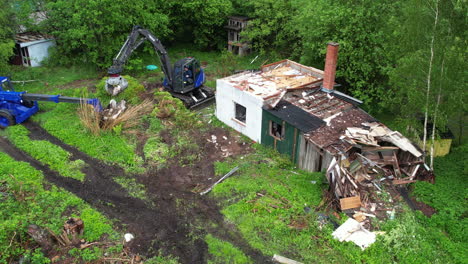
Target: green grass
224,252
267,197
47,153
24,201
63,123
266,200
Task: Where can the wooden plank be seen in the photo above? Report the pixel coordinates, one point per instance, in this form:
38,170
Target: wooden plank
350,202
220,180
402,181
283,260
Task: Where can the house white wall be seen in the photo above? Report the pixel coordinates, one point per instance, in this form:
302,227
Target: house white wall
226,97
38,50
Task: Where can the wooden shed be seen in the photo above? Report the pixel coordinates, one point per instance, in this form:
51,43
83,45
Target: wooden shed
283,128
31,48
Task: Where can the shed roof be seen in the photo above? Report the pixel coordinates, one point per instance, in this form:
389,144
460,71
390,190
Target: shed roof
274,78
241,18
328,136
295,116
30,37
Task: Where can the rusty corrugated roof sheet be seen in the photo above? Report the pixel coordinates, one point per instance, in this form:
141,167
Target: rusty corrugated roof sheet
30,37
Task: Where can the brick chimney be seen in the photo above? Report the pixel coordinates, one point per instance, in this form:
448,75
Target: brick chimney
330,65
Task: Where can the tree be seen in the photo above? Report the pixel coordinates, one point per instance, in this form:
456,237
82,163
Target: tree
430,73
92,31
270,29
364,30
6,34
200,22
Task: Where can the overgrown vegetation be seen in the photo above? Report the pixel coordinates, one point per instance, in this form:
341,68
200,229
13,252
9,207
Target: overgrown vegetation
6,34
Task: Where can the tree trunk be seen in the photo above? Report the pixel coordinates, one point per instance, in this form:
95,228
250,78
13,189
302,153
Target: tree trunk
435,115
428,89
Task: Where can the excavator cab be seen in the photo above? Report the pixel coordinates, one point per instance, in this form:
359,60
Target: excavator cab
187,75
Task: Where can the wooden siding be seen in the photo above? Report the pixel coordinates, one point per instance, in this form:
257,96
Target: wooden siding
288,145
309,157
306,154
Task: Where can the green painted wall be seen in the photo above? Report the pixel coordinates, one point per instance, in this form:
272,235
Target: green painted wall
290,142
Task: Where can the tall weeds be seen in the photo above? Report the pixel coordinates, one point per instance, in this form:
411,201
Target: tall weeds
95,122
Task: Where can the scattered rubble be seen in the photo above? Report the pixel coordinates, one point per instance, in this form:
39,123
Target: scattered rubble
363,177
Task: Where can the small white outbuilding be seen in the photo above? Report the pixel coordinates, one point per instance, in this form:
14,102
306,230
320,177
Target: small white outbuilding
32,48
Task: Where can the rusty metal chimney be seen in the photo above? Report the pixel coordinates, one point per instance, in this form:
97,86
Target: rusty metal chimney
330,65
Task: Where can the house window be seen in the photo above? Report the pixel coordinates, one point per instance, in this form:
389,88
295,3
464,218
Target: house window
276,130
240,113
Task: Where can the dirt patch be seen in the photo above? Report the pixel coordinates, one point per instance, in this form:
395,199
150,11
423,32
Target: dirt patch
90,84
176,219
424,208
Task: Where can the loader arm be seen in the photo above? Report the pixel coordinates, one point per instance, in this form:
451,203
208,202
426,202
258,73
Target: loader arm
134,40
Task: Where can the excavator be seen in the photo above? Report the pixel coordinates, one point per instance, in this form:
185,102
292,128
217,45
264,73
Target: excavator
185,80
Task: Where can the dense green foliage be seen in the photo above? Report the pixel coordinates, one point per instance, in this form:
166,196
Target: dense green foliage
199,22
363,32
93,31
431,62
6,33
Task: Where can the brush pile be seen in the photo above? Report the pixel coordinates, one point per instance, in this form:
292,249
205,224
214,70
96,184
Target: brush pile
113,116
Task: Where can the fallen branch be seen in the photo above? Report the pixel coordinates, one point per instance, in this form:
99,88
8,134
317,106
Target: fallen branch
83,246
220,180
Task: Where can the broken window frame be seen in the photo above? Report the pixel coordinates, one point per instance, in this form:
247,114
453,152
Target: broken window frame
282,128
237,117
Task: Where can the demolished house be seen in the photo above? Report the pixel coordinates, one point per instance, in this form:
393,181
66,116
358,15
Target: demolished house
295,109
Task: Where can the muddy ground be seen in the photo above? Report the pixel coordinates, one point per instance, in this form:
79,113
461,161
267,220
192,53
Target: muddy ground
176,219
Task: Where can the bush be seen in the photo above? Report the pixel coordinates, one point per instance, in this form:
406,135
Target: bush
94,31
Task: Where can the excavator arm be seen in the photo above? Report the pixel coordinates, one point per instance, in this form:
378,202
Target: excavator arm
117,83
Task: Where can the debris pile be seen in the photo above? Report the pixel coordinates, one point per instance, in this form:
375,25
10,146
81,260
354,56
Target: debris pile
363,178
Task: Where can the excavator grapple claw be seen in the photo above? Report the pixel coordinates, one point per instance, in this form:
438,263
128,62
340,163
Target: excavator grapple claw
115,85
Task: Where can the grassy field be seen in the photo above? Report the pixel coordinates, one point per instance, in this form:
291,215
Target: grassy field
274,205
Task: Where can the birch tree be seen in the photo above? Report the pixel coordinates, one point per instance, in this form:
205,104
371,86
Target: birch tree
432,54
429,72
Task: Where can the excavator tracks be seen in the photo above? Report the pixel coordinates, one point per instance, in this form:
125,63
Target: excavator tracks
199,98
